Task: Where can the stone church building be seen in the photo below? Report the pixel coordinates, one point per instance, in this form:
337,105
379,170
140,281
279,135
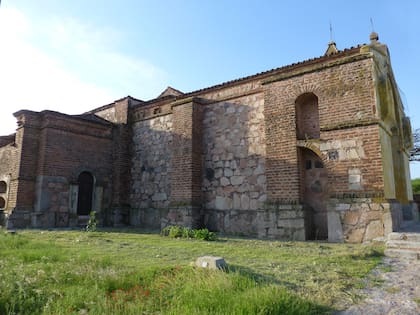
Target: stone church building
314,150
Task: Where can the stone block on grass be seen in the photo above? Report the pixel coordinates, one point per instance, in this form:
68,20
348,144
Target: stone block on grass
211,262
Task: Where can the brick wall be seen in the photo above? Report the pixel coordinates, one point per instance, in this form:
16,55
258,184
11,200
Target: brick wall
121,165
70,146
27,140
280,129
346,105
118,111
356,148
187,153
55,148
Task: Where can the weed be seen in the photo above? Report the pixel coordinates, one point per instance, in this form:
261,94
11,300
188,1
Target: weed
176,231
92,223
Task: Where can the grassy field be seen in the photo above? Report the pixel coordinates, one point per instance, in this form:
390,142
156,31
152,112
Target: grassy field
128,272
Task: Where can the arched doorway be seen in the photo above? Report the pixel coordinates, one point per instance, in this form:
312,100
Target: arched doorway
85,194
314,181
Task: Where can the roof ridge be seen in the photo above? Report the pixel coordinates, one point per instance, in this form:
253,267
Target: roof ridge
268,72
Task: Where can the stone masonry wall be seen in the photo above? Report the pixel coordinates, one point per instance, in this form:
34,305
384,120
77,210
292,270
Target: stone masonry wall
360,217
51,208
150,170
9,157
234,181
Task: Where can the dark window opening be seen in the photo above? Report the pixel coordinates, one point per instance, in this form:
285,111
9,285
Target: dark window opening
3,187
2,203
318,164
308,164
85,196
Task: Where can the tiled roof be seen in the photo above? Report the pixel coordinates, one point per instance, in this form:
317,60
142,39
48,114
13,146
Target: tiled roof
261,75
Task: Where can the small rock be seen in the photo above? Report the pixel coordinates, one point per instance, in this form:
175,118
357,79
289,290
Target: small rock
211,262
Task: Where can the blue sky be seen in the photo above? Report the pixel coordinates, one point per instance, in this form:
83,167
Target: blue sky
72,56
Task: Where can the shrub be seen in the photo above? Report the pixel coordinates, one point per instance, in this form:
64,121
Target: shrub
188,233
204,234
177,231
91,225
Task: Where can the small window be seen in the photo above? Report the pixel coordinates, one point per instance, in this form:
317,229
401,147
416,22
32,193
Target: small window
333,155
2,203
318,164
308,164
3,187
157,111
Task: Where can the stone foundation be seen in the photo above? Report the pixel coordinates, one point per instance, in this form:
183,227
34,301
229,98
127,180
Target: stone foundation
18,218
355,219
183,215
188,216
146,217
285,221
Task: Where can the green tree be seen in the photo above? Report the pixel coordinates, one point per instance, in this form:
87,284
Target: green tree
415,183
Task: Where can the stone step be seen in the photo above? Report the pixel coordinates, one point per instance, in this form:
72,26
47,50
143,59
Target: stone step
400,244
404,236
402,253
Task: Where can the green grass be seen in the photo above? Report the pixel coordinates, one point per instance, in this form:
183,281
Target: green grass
128,272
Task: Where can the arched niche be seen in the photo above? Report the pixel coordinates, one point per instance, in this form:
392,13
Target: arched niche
307,117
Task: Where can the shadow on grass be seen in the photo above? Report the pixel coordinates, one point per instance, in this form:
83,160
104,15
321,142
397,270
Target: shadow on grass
290,288
257,277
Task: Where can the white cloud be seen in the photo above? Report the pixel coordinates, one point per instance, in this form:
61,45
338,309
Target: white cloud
64,65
